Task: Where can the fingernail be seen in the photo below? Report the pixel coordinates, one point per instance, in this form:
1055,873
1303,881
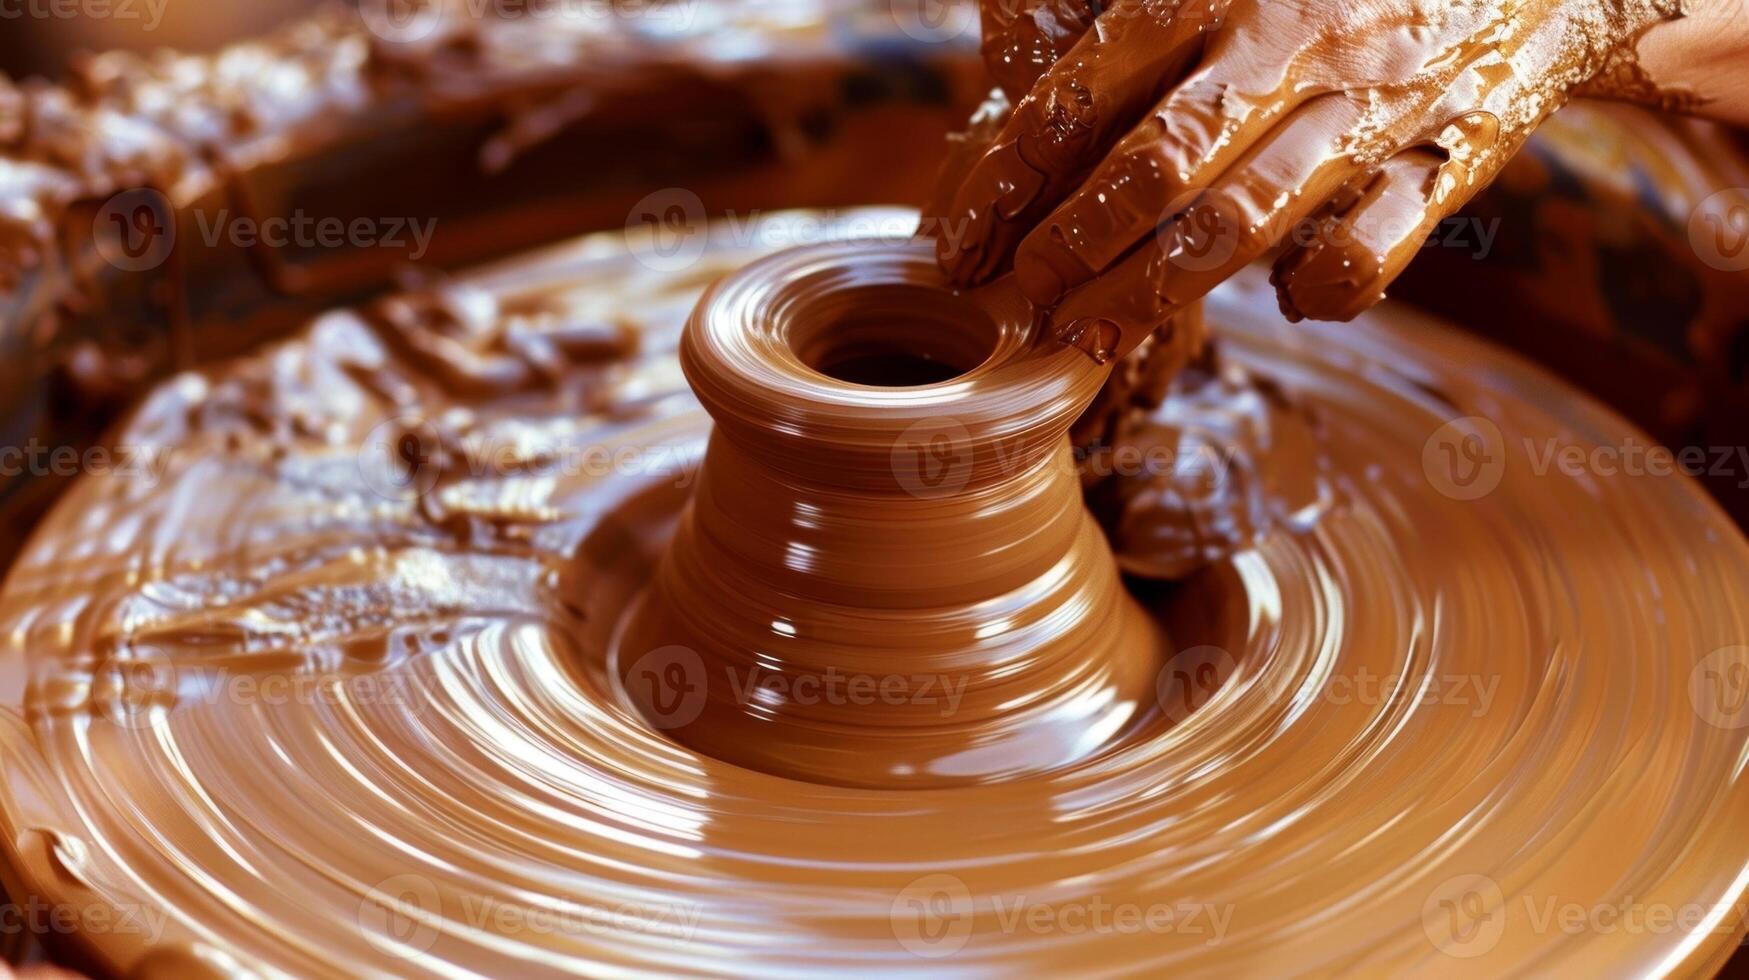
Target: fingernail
959,257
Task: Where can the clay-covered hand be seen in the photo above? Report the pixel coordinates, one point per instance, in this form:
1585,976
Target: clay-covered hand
1019,40
1177,140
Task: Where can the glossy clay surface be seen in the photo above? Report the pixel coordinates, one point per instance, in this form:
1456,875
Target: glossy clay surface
470,784
886,585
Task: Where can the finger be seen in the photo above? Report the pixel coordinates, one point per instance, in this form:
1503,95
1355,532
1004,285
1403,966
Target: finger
1243,214
1023,38
1360,249
1020,39
1345,268
1196,134
1066,123
963,152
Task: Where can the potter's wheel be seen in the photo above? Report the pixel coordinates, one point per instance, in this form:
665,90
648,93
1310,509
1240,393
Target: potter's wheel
282,710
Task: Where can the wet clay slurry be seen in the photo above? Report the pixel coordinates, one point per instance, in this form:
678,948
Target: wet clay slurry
928,538
334,694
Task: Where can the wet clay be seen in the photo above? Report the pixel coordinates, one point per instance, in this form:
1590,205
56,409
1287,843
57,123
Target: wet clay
932,536
338,692
122,189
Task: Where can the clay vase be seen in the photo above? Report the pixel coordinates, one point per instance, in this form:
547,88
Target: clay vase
886,576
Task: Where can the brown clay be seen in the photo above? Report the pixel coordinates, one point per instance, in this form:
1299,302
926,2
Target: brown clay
335,693
852,525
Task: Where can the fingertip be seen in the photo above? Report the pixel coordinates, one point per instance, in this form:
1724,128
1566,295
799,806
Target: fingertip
1329,282
960,244
1095,336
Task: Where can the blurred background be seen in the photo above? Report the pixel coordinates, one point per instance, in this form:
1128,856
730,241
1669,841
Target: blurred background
45,44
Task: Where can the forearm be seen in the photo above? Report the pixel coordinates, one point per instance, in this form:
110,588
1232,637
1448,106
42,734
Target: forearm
1697,64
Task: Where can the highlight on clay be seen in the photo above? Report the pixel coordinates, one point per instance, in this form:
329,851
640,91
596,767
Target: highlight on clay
993,487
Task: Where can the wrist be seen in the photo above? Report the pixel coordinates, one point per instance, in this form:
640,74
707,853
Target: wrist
1699,62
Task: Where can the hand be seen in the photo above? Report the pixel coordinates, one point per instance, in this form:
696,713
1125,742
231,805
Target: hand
1022,39
1178,140
1019,40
